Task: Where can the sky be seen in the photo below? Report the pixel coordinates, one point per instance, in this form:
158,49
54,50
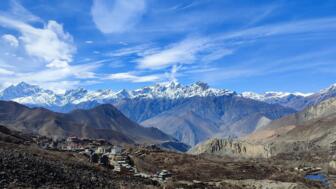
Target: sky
241,45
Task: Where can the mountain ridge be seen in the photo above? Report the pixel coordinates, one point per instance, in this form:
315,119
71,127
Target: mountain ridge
310,130
103,121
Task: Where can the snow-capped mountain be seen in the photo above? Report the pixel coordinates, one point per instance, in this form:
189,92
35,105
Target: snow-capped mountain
190,113
29,94
271,95
174,90
324,94
295,100
35,96
21,90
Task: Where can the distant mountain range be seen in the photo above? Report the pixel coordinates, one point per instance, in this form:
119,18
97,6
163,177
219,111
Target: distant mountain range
33,95
297,101
36,96
190,113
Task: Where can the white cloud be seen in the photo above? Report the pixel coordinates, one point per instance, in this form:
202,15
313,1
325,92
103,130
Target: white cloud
5,72
50,43
127,76
88,42
183,52
58,64
116,16
11,40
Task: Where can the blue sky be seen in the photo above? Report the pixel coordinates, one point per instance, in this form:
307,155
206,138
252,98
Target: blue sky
240,45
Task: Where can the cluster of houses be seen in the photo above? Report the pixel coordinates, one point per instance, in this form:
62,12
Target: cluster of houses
100,152
111,156
308,169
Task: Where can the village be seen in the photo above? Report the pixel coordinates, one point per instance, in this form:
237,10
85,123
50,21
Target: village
102,153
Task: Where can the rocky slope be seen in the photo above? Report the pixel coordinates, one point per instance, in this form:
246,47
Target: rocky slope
24,165
312,129
104,121
316,125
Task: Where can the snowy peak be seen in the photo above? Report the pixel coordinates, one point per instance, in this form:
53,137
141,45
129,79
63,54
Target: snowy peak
20,90
76,93
295,100
272,95
123,94
329,90
73,95
200,86
324,94
176,90
168,85
25,93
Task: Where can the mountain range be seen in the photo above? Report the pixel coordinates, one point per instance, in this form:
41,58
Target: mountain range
191,113
312,129
101,122
297,100
33,95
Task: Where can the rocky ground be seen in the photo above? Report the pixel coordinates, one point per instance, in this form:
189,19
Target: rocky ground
24,166
218,172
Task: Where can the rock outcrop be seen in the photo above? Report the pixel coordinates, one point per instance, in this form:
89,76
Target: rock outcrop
232,147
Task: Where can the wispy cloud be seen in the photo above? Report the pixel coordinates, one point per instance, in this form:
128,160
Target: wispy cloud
183,52
128,76
5,72
306,61
18,12
284,28
115,16
139,50
200,50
